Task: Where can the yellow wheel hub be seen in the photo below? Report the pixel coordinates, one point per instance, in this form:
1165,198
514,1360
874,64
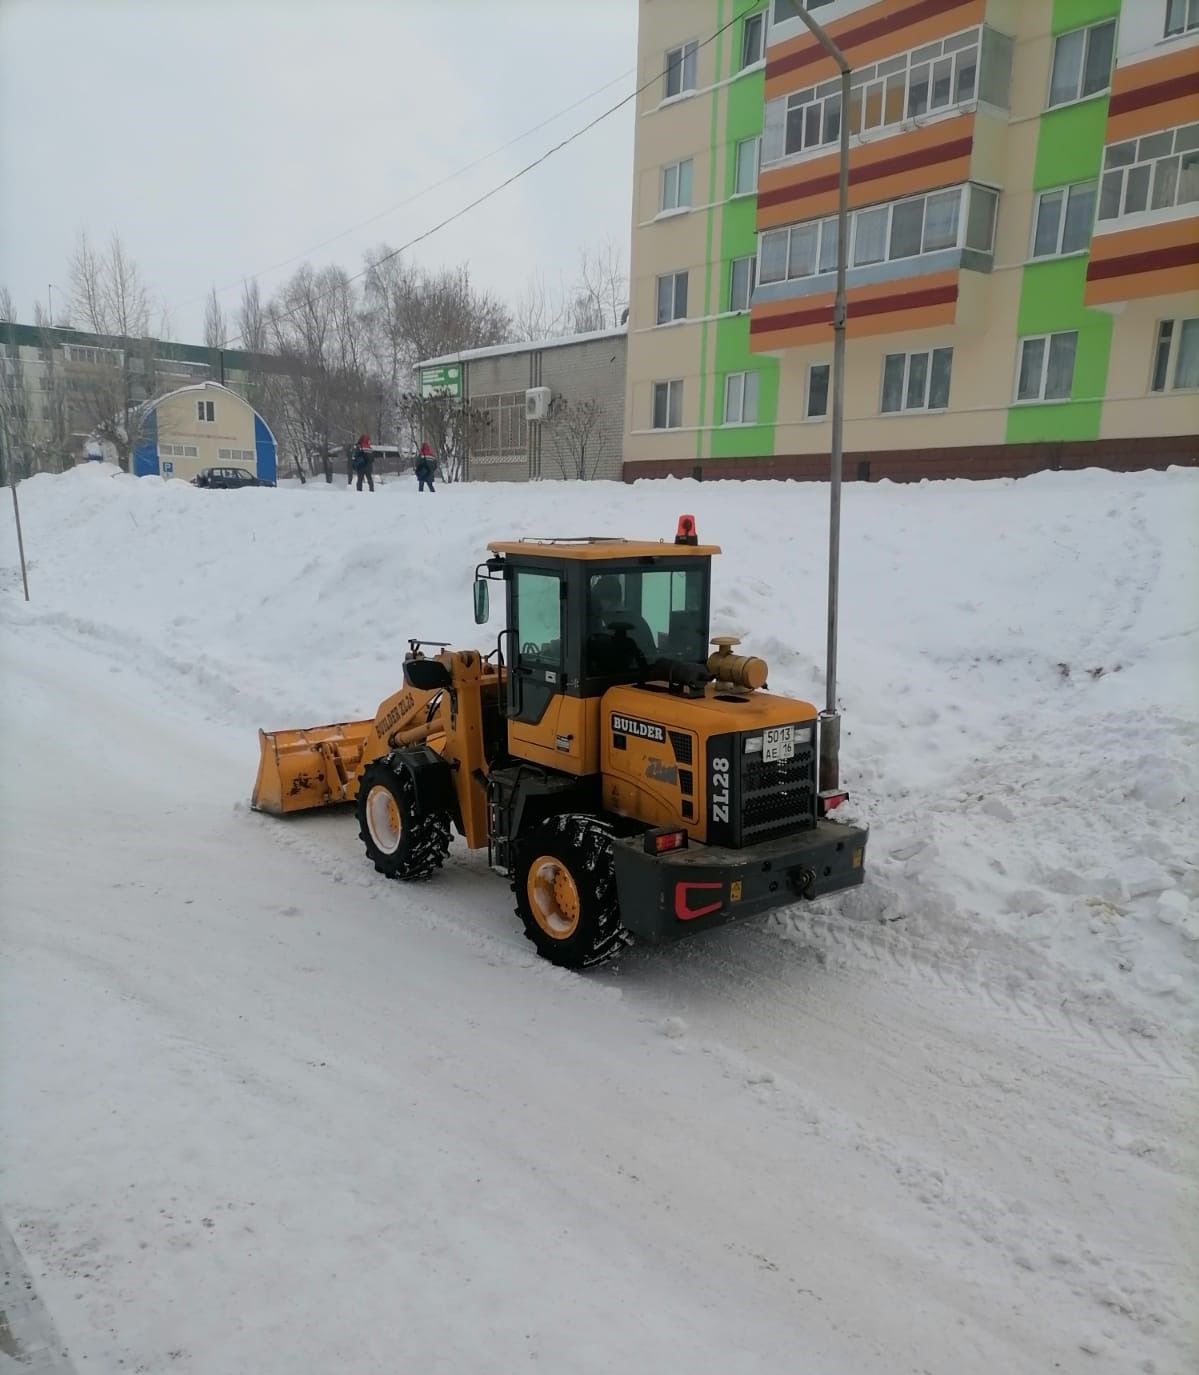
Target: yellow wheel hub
383,819
553,897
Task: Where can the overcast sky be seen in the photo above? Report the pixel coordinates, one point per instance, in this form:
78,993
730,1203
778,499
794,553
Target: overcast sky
223,137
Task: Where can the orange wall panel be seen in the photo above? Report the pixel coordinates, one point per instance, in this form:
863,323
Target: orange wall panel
1158,260
881,31
902,165
882,308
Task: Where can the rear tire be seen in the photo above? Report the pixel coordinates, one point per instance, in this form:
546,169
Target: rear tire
399,842
564,880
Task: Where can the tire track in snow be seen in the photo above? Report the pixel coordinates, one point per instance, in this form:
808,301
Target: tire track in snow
858,943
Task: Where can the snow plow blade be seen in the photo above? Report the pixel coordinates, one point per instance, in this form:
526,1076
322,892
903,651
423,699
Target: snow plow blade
301,769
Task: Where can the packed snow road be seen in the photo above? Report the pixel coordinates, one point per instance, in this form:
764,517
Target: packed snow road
263,1110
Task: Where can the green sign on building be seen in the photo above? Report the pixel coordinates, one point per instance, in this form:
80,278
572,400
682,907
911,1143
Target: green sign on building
443,381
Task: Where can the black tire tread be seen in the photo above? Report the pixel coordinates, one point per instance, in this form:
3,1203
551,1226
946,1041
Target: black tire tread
426,839
585,843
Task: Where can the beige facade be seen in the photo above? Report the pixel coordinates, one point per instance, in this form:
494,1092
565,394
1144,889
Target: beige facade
203,426
227,440
973,337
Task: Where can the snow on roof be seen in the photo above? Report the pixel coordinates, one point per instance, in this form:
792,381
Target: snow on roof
525,346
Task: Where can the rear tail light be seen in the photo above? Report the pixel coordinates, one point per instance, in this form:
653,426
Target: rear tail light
661,842
829,802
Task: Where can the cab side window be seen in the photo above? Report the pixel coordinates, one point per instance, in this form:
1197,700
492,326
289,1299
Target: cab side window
539,619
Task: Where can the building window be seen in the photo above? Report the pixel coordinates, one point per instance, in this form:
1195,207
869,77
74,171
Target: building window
753,38
672,297
190,451
676,185
741,398
741,283
205,410
234,455
1047,367
746,176
1155,172
881,233
1063,220
668,405
954,71
1182,16
174,368
917,381
680,68
1082,63
79,353
1176,356
816,398
500,426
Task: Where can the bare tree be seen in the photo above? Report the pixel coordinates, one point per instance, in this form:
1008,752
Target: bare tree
447,424
316,329
215,328
107,291
540,313
578,431
424,315
33,403
601,291
265,388
111,382
6,308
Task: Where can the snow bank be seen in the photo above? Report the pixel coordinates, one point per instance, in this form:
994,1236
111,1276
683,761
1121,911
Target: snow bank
1018,669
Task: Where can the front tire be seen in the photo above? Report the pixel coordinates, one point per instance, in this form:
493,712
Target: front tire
564,880
399,842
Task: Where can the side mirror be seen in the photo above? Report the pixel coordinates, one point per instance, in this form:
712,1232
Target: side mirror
482,601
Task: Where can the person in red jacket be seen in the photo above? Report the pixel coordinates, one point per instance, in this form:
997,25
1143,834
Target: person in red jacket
364,461
426,467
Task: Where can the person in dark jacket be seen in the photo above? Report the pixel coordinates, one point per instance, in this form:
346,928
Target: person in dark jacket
426,467
364,461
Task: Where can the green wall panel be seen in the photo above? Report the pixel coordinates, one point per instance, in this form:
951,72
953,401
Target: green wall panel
738,239
1070,144
709,230
1073,14
1069,149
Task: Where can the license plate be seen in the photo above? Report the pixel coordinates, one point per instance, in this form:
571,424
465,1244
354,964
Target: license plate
778,744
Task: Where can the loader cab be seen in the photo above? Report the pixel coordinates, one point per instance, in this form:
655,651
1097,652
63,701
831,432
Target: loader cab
584,616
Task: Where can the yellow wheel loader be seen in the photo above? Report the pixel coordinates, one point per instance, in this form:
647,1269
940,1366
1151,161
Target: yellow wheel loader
631,783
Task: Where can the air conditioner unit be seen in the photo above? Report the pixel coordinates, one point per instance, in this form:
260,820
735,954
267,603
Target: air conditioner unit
537,403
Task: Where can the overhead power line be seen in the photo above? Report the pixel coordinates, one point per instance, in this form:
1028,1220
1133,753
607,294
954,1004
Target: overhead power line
508,181
409,200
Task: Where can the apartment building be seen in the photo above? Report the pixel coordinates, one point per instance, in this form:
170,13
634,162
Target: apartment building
56,383
1023,267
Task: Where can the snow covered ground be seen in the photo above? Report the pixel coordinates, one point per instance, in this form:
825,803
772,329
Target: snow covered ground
263,1111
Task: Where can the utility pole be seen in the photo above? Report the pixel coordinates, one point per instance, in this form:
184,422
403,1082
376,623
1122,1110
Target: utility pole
16,510
830,718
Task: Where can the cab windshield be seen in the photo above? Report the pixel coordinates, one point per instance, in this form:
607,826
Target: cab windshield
635,618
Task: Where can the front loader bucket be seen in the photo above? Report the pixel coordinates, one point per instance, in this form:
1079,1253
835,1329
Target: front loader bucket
300,769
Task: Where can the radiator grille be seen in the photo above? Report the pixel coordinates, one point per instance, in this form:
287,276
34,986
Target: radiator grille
777,799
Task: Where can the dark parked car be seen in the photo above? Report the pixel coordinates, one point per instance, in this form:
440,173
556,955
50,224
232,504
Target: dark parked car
226,477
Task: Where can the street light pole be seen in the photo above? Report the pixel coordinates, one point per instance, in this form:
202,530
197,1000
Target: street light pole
830,718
